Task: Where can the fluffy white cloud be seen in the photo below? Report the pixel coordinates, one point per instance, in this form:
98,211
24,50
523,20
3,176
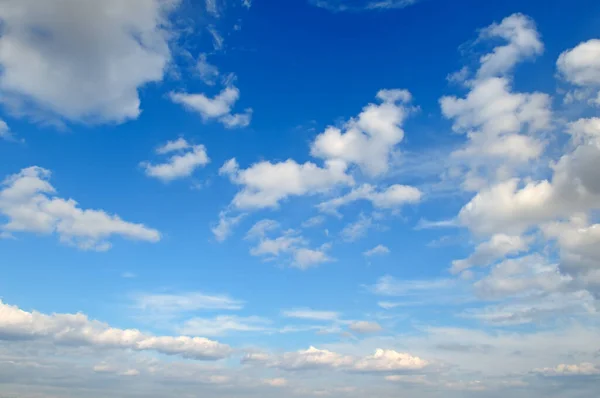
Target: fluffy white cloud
581,65
82,59
216,108
377,251
30,203
265,184
499,246
180,165
290,245
313,358
78,330
365,327
392,197
494,118
369,139
512,206
523,41
389,361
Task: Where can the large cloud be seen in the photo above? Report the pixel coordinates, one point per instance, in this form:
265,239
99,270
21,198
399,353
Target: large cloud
82,59
78,330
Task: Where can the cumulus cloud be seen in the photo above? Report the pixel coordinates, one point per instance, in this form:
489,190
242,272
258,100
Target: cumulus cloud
30,204
512,206
370,139
377,251
83,60
266,184
581,65
78,330
523,41
217,108
183,163
313,358
498,247
290,245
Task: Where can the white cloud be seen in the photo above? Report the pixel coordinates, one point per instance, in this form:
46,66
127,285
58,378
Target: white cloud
523,42
218,40
260,229
185,302
223,324
499,246
313,358
370,139
78,330
582,369
83,60
512,206
265,184
392,197
520,276
365,327
289,244
357,229
313,222
278,382
208,72
180,165
212,8
30,203
390,286
226,223
216,108
362,5
581,65
311,315
390,361
5,133
377,251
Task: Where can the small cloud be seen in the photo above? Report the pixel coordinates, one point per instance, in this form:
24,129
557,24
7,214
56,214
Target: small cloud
377,251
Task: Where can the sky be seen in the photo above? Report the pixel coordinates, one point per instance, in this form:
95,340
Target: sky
299,198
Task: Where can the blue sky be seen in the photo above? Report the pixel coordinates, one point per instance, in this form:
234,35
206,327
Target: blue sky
299,198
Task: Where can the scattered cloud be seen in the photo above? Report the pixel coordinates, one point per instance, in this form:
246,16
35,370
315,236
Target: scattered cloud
217,108
182,164
30,204
365,327
377,251
361,5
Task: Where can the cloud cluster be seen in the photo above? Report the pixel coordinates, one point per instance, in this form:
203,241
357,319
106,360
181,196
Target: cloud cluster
78,330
